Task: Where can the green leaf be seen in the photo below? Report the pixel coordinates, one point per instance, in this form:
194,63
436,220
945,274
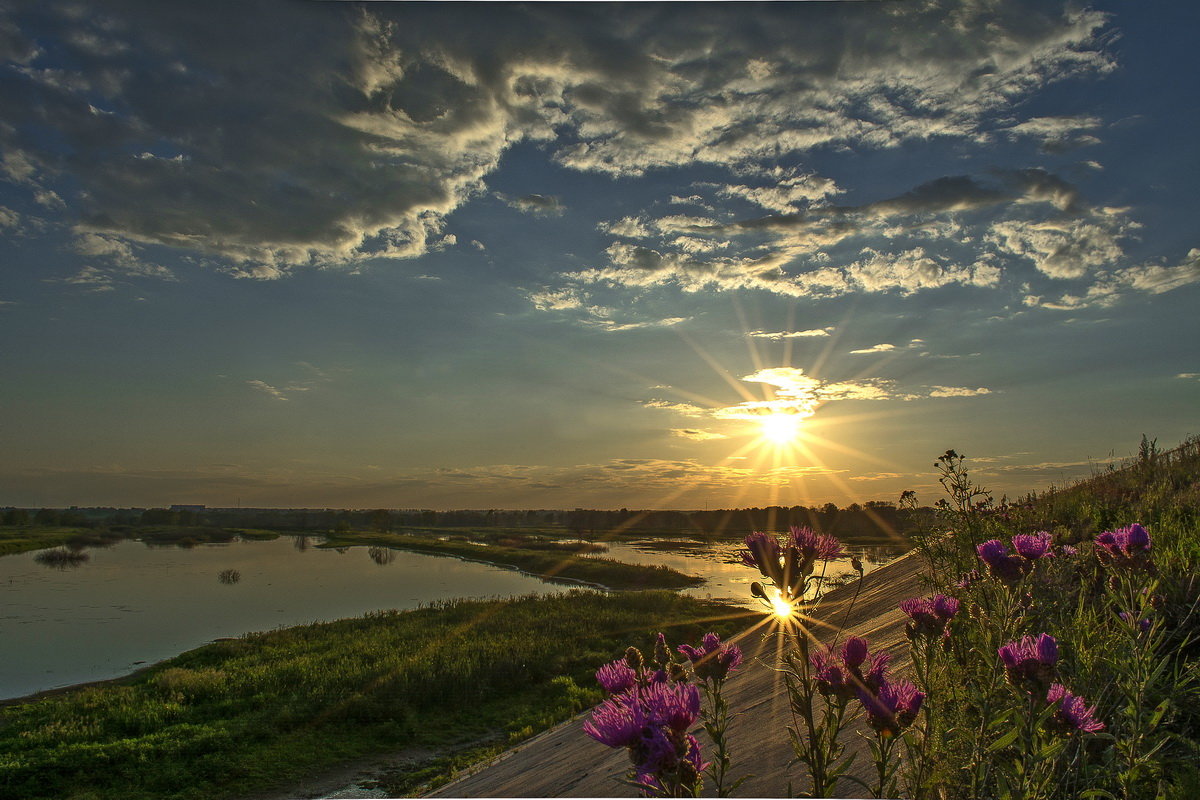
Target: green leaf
1004,741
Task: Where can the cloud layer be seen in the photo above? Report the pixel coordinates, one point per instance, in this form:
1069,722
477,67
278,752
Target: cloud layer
358,133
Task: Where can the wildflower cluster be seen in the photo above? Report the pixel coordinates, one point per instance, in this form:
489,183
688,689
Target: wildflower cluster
929,616
1029,662
712,660
1071,712
789,564
1030,547
1125,547
841,676
652,707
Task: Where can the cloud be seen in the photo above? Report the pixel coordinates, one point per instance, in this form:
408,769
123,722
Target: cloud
175,127
9,219
806,334
697,435
878,348
314,378
957,391
537,204
1057,134
1189,375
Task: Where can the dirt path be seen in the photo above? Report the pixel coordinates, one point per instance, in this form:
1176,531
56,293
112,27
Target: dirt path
563,762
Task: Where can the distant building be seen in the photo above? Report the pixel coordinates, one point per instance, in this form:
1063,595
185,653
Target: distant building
187,508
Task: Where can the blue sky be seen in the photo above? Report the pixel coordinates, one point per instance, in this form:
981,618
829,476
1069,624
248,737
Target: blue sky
474,255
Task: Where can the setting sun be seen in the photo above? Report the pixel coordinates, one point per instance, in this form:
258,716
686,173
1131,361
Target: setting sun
780,428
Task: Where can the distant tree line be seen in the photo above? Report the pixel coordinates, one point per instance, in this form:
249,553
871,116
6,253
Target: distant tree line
871,519
875,518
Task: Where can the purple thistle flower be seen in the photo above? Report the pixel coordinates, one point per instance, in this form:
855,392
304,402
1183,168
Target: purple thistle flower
854,651
764,553
712,659
617,722
1069,550
1126,547
616,677
1072,713
1029,662
994,553
814,546
831,678
945,606
892,707
676,705
1033,546
929,616
877,672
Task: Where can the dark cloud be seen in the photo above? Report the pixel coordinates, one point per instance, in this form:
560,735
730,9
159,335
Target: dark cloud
537,204
278,134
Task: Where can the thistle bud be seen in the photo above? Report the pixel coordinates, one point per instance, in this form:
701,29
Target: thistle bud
662,654
756,590
677,672
633,657
856,564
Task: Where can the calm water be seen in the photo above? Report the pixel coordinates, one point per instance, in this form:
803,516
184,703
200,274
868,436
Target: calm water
726,577
131,605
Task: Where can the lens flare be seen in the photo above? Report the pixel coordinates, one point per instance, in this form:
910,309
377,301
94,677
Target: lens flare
782,608
780,428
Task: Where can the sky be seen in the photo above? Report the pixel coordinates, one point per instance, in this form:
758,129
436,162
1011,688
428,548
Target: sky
553,256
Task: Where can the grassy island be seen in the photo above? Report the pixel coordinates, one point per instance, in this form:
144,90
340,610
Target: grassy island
246,715
541,557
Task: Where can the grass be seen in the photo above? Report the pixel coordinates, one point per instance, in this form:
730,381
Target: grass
264,711
543,559
38,537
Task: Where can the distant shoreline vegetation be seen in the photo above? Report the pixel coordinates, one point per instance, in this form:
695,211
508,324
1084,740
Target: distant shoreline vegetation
461,679
872,520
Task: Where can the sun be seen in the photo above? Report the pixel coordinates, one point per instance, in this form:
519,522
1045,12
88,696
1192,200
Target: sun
780,428
782,608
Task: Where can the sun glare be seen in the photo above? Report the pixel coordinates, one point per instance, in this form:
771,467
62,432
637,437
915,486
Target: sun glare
782,608
780,428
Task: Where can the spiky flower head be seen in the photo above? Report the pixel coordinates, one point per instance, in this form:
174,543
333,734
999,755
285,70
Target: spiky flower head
1124,547
1071,712
929,616
814,546
1033,546
854,651
1029,662
616,677
1000,564
712,659
892,707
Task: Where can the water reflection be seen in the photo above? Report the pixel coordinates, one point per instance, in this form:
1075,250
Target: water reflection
381,555
229,576
62,558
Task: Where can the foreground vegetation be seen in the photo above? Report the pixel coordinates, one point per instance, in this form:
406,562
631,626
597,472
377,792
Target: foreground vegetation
267,709
1057,656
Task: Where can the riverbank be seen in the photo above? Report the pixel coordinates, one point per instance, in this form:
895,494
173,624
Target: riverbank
239,717
548,560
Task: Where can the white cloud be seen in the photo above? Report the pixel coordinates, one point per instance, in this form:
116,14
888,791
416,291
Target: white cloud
883,347
806,334
1189,375
957,391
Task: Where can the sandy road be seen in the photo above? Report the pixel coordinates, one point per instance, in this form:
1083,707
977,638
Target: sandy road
564,762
